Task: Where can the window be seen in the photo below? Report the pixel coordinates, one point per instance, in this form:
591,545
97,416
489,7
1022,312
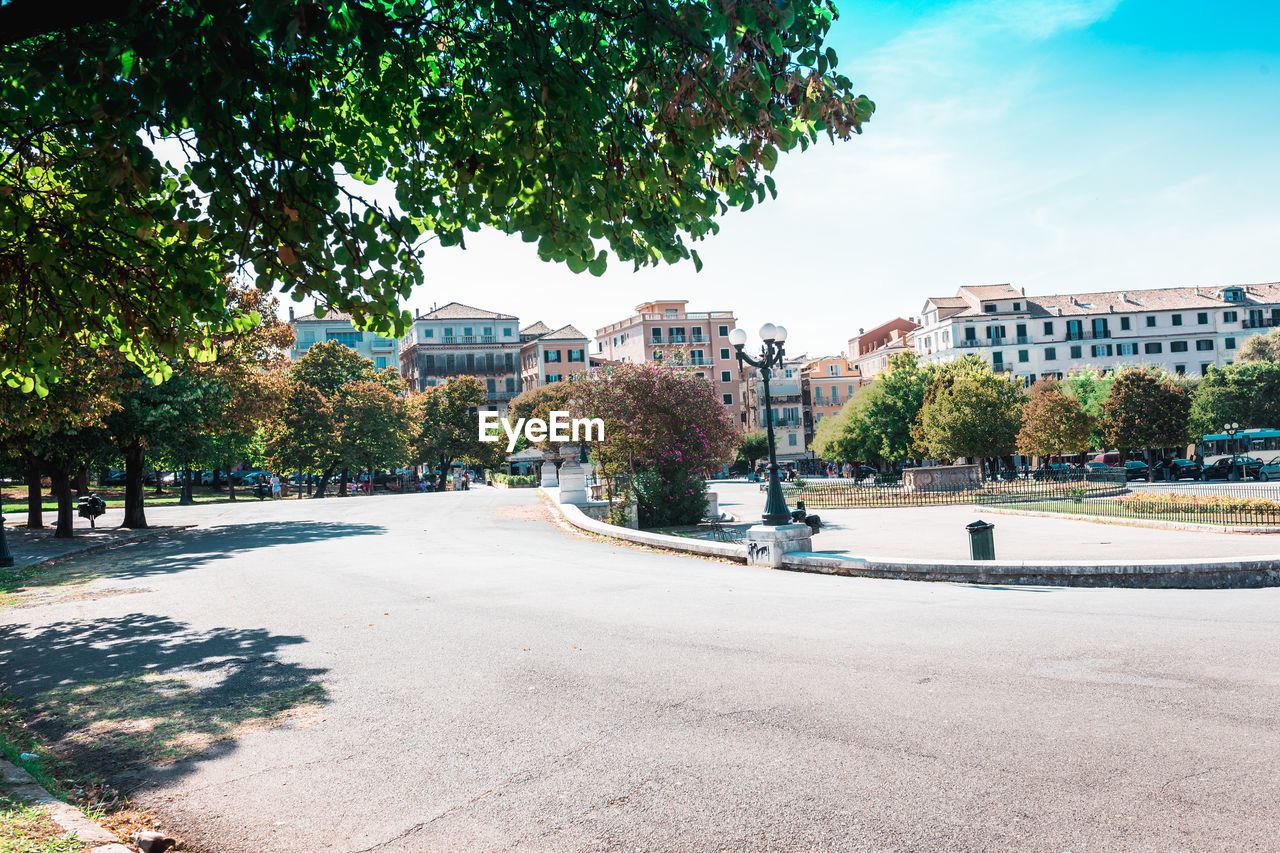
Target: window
1204,368
1098,350
1180,369
724,376
551,356
448,331
791,439
701,375
1233,294
1204,346
1124,324
1024,355
788,373
511,384
835,396
381,361
1021,331
1151,321
468,331
1050,353
850,391
1076,352
724,331
997,359
506,332
1048,327
989,309
1177,346
348,339
428,333
577,355
1176,319
1202,318
1074,330
728,399
1126,349
1230,316
487,330
553,377
491,385
833,370
724,355
970,333
1153,348
1017,306
1229,343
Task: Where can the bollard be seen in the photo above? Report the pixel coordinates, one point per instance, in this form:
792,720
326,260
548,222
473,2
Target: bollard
982,544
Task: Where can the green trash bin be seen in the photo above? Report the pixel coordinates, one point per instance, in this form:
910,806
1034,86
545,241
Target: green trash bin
982,542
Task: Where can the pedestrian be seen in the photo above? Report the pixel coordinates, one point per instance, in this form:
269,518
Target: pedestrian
275,485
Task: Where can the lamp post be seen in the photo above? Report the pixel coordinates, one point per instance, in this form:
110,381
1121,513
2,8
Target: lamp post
6,556
775,505
1231,429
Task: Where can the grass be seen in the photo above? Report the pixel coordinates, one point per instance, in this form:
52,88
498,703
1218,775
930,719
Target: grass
1110,509
26,828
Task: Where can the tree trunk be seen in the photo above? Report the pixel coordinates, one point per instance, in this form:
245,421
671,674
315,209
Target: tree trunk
159,480
35,500
1151,466
216,483
323,483
82,481
311,483
231,486
185,499
342,485
61,477
135,516
442,481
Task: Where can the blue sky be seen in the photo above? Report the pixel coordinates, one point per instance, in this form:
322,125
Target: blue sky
1059,145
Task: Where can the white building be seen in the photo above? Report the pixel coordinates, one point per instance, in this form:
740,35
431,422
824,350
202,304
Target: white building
1184,330
330,325
788,409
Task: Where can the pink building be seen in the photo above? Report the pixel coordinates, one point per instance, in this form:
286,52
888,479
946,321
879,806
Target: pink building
665,329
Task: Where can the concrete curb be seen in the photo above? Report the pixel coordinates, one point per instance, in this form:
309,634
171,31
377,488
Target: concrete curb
1153,574
152,533
70,818
1155,523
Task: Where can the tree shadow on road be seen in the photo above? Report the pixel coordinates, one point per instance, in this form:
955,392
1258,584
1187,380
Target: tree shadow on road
179,551
124,697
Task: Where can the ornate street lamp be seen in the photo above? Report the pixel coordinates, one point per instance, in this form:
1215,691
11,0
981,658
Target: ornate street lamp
1231,429
775,505
6,556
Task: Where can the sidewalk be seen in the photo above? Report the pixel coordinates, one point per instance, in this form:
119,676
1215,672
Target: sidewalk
30,547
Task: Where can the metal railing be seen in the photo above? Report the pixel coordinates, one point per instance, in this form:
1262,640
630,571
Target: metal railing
1083,335
1105,494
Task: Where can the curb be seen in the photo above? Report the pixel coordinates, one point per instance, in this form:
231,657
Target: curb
1157,574
71,819
1155,523
153,533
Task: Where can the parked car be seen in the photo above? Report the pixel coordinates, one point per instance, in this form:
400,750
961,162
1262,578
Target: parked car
1094,466
1270,470
1177,469
1110,459
1135,470
1057,471
113,478
1244,466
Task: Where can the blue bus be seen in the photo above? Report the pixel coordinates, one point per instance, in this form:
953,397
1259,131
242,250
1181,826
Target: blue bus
1263,443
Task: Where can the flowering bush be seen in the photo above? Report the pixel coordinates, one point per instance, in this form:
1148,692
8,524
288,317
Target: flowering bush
1171,502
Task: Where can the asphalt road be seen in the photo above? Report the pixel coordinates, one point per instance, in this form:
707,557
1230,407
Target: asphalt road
496,683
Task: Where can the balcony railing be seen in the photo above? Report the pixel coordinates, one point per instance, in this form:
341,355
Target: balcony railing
1262,323
470,339
1083,335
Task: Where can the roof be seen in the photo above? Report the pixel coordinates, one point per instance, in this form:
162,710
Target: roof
325,315
529,454
458,311
1117,301
993,291
564,333
539,329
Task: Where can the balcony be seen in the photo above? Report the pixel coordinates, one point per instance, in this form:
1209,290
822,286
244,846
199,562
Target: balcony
697,339
698,362
471,339
1261,323
1088,336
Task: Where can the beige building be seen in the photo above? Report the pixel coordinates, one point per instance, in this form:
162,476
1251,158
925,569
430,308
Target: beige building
459,340
548,356
871,351
1184,330
666,329
787,408
329,325
826,385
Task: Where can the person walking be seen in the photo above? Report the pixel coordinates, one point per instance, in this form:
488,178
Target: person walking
275,485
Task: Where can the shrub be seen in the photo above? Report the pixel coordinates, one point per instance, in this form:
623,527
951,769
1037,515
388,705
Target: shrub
670,498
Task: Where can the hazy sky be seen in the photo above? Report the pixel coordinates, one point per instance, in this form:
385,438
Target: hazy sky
1059,145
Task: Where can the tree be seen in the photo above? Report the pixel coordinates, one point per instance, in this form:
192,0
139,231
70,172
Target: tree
1145,410
375,427
891,408
1090,388
449,426
1053,423
754,447
1261,348
1247,393
628,123
971,412
659,419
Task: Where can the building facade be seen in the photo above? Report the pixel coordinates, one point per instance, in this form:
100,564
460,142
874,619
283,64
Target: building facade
1184,330
665,329
329,325
826,384
548,356
871,351
460,340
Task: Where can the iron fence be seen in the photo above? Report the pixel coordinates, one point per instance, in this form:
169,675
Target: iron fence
1104,493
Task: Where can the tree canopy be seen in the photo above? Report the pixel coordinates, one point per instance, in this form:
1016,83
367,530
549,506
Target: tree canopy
970,411
145,147
1145,410
1053,422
